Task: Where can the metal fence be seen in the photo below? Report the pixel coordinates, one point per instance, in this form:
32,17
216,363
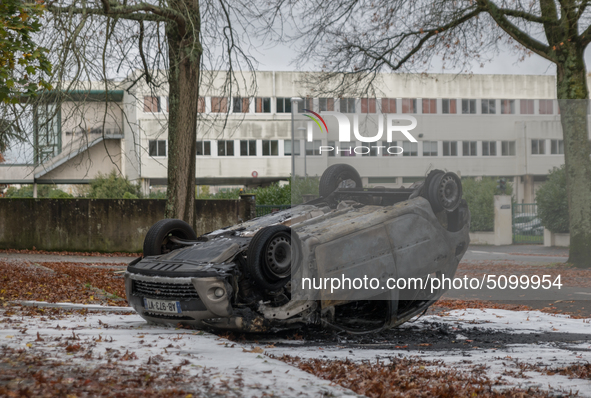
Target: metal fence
263,210
527,226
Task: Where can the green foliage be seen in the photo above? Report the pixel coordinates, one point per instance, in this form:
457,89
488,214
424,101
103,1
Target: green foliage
43,191
480,197
112,186
157,195
274,194
59,194
303,186
552,202
20,57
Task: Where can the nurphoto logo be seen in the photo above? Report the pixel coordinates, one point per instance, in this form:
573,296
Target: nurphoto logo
345,132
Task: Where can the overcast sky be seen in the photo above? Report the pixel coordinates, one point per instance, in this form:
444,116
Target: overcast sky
281,58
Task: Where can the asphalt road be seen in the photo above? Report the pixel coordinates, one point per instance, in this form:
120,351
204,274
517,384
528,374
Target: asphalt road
529,254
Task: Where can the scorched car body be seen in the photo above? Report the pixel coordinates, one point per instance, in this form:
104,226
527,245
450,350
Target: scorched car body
248,277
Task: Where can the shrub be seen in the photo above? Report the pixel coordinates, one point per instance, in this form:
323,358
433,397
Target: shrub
112,186
43,191
480,197
552,201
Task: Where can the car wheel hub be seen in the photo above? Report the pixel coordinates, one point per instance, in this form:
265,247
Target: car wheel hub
279,256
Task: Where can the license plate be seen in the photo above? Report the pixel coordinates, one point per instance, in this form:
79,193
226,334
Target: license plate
169,307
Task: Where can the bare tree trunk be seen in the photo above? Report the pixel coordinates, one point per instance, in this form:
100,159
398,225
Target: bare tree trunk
573,93
184,58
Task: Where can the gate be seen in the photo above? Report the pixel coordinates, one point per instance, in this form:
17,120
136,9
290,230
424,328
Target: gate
527,227
263,210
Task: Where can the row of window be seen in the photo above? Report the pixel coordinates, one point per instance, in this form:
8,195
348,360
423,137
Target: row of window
367,105
430,148
224,148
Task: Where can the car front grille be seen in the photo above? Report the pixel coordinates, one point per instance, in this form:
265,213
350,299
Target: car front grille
164,290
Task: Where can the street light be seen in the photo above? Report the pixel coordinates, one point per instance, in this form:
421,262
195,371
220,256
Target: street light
293,101
305,152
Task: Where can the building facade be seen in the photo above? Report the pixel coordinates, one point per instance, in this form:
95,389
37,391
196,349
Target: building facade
474,125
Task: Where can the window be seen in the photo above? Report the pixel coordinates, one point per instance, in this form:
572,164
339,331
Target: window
313,148
332,145
347,105
157,147
412,180
371,150
248,147
262,105
225,148
410,148
448,106
538,147
507,148
386,145
270,148
507,107
489,148
469,148
307,103
488,106
388,105
409,105
152,104
429,148
557,147
287,147
240,105
346,148
450,148
546,107
468,106
526,107
382,180
283,105
368,105
429,105
219,104
200,105
326,104
203,148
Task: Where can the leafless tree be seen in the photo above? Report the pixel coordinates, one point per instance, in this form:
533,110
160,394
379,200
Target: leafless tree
167,47
353,40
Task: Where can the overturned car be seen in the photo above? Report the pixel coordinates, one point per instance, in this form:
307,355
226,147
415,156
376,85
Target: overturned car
271,272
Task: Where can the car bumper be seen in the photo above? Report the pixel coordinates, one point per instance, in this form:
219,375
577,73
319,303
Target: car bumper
196,298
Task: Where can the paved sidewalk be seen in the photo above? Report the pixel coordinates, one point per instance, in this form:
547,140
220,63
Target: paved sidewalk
527,254
65,258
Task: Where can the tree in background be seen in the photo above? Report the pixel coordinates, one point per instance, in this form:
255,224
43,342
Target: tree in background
158,47
22,62
353,40
552,201
479,195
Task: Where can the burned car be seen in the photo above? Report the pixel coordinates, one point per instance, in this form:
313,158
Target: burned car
256,276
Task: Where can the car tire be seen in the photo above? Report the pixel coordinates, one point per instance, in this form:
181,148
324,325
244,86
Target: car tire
334,175
444,191
269,257
155,242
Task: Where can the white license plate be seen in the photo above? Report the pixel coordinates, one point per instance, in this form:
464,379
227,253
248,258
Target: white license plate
169,307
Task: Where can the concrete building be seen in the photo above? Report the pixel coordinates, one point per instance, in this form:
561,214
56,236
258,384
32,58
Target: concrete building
474,125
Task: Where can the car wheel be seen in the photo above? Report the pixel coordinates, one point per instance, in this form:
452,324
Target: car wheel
157,240
336,175
269,257
444,191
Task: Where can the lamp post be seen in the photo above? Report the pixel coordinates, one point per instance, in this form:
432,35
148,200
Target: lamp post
305,151
293,101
